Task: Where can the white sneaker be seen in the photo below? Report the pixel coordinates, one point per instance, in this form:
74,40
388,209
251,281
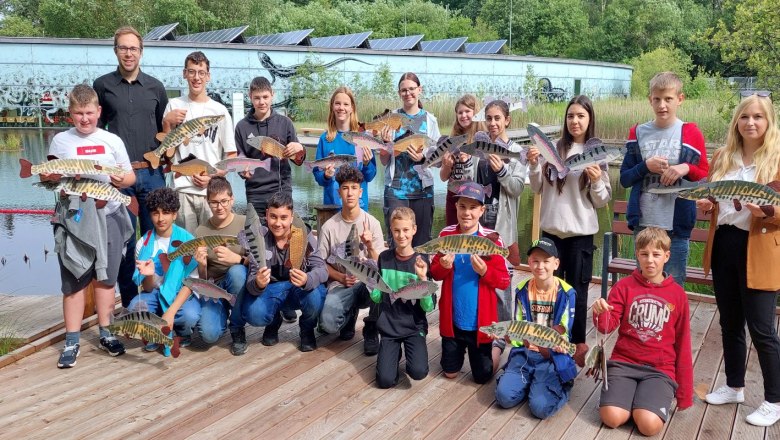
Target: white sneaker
766,415
725,394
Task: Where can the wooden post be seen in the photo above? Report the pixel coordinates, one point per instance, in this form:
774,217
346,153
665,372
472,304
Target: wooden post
325,212
535,220
89,300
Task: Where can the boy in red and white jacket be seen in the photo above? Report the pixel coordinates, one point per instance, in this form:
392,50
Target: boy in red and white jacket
468,294
651,362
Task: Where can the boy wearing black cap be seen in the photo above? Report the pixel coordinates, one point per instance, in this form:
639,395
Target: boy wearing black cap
468,295
543,376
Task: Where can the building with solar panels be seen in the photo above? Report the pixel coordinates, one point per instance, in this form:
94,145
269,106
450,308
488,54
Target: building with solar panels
36,73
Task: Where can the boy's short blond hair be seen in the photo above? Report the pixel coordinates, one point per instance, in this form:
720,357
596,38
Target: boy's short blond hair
403,213
82,95
666,81
652,236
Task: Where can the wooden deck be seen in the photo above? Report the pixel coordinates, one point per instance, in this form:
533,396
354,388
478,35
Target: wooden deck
279,392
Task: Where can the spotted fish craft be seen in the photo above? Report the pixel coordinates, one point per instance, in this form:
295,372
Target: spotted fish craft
146,332
271,147
536,334
548,150
209,290
594,153
462,244
192,166
395,121
596,364
737,192
415,290
365,140
243,164
336,160
188,248
69,167
417,142
178,136
297,243
102,192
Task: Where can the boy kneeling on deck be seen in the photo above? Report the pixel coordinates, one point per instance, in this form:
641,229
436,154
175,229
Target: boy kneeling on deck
279,282
468,294
544,376
651,362
164,291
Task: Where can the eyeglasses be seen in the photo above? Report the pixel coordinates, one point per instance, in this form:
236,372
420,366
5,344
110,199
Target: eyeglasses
124,49
199,73
223,203
408,90
761,93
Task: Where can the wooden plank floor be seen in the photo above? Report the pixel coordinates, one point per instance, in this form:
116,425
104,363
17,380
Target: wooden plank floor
279,392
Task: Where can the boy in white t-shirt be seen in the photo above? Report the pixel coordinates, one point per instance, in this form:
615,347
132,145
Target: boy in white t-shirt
87,141
213,145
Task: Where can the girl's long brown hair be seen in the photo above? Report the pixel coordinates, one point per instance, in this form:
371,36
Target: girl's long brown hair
353,120
411,77
471,102
566,140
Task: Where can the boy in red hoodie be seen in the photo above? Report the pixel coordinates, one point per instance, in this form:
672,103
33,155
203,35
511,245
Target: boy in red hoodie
651,362
468,294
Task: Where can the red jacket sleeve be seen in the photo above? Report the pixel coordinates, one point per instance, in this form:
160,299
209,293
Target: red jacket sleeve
682,346
438,272
692,136
497,275
607,322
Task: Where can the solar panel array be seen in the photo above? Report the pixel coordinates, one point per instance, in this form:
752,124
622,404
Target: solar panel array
448,45
232,35
485,47
284,39
343,41
411,42
164,32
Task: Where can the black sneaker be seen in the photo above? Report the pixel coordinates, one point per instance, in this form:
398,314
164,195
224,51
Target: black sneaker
308,341
348,331
112,345
68,356
370,339
271,332
238,346
289,315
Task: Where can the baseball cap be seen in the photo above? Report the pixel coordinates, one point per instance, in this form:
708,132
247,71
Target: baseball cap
472,190
546,245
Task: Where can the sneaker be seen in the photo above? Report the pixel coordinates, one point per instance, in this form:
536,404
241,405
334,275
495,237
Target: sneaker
238,346
112,345
308,341
766,415
289,315
370,339
271,332
151,346
725,394
348,331
185,341
68,356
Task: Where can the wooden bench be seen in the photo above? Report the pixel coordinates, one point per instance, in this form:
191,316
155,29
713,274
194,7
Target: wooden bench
614,264
315,132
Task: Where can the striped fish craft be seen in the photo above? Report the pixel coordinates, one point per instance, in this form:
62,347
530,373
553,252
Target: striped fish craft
395,121
448,144
102,192
180,135
365,272
209,290
69,167
415,290
536,334
737,192
297,243
188,248
417,142
594,153
251,238
243,164
146,332
482,149
143,316
462,244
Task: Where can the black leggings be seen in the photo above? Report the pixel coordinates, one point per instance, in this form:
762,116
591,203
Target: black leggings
738,305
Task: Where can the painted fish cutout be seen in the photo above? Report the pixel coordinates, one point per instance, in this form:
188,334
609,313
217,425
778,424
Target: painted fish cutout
594,153
192,166
415,290
102,192
482,149
454,185
448,144
188,248
365,140
738,192
270,147
252,239
363,271
522,104
336,160
462,244
297,243
243,164
596,364
147,333
417,142
180,135
539,335
395,121
351,247
144,316
547,150
652,183
69,167
209,290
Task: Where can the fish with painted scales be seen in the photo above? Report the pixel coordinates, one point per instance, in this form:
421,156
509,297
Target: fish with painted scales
243,164
417,142
537,334
271,147
366,272
737,192
449,144
415,290
209,290
147,333
69,167
102,192
351,247
297,243
548,150
365,140
188,248
454,185
251,239
462,244
482,149
336,160
594,153
192,166
178,136
596,363
394,121
144,316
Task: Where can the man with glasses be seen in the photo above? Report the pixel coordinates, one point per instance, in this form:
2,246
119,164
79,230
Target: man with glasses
226,266
133,104
213,145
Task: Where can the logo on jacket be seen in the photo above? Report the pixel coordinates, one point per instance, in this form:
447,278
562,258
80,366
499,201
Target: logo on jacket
648,314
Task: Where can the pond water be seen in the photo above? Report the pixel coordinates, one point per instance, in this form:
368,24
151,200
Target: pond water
28,234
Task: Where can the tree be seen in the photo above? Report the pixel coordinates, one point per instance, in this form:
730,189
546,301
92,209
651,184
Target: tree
660,60
13,26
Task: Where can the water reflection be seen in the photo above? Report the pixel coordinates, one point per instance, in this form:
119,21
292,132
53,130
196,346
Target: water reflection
30,234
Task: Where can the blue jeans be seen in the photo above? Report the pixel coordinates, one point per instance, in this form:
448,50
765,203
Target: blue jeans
234,282
678,258
186,317
145,182
528,374
338,303
260,311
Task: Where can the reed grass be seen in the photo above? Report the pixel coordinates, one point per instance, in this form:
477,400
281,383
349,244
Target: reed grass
11,142
9,340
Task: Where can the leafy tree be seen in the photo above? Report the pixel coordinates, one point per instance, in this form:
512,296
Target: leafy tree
15,26
660,60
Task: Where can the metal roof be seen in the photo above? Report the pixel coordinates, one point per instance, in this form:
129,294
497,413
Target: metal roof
232,35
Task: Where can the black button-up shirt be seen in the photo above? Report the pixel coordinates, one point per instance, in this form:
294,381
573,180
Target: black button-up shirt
132,110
